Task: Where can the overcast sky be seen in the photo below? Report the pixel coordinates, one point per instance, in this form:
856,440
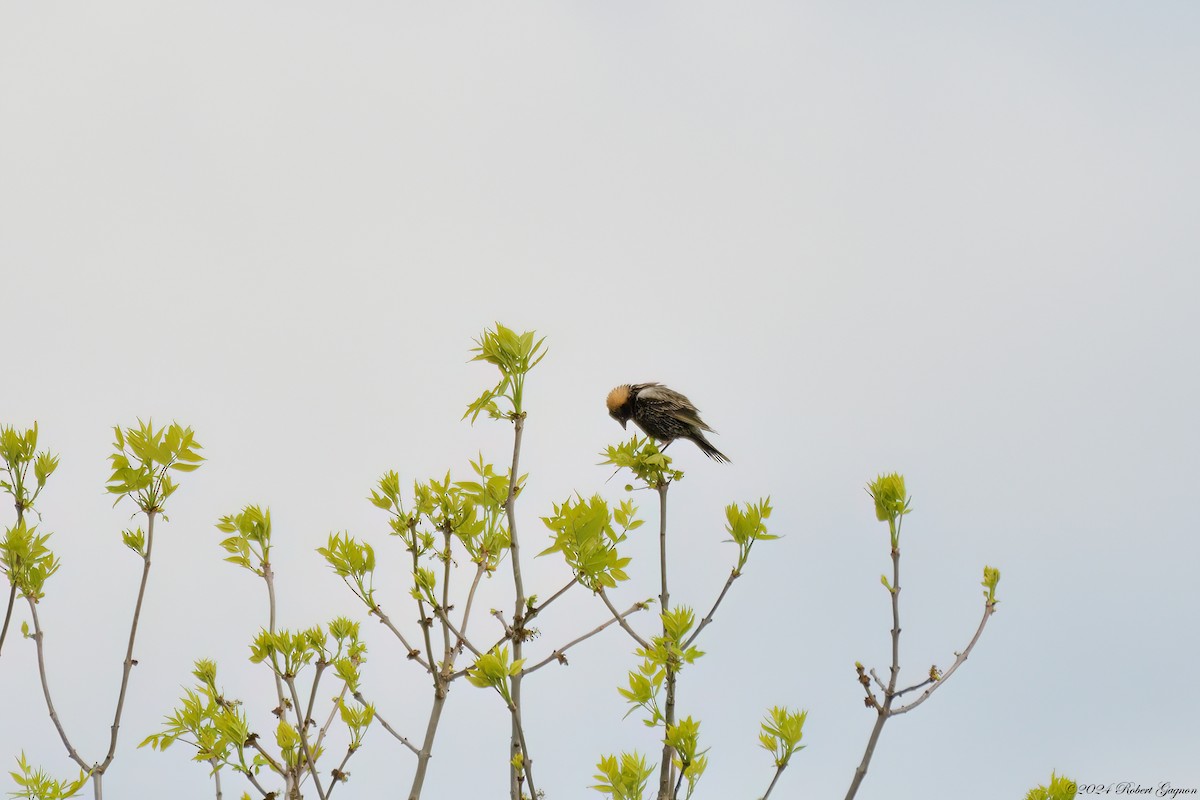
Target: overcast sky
954,240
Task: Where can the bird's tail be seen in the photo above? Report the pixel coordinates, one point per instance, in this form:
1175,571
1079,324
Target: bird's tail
706,447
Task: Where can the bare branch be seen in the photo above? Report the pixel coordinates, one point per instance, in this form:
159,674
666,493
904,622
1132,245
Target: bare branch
337,701
339,774
269,577
668,765
882,712
303,727
38,636
988,610
413,653
517,737
733,576
275,765
379,717
778,771
461,638
558,655
466,617
129,662
216,773
620,619
253,780
538,609
12,598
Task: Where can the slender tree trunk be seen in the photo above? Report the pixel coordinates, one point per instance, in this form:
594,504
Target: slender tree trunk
890,693
666,770
515,745
435,715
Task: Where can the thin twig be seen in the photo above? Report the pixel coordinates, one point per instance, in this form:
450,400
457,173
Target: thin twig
620,620
38,636
516,739
668,765
446,648
413,653
379,717
913,688
308,758
339,774
526,762
268,575
253,780
337,703
988,610
557,655
129,662
461,638
466,617
733,576
508,629
271,762
889,692
538,609
778,771
12,598
424,621
312,695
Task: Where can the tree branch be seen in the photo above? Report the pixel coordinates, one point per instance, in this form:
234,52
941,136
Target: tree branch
12,598
667,767
557,655
778,771
538,609
129,662
403,740
517,736
620,620
733,576
460,638
889,693
413,653
988,610
303,728
38,636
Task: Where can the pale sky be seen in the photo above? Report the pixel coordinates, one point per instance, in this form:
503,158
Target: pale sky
954,240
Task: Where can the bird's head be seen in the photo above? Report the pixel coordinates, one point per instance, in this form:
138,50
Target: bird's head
620,404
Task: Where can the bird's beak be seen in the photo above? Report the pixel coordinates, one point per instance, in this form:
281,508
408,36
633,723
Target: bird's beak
624,423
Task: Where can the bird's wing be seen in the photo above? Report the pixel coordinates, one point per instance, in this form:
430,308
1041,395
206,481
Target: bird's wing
673,403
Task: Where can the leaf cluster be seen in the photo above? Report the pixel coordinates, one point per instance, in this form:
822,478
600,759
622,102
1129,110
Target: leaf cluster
585,534
26,561
641,456
1060,788
214,726
684,738
143,458
781,732
18,450
625,777
251,529
666,651
514,355
37,784
746,525
991,577
493,670
288,652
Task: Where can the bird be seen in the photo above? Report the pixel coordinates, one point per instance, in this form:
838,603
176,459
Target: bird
664,414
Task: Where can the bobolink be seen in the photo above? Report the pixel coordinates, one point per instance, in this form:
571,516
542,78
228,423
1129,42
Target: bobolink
664,415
